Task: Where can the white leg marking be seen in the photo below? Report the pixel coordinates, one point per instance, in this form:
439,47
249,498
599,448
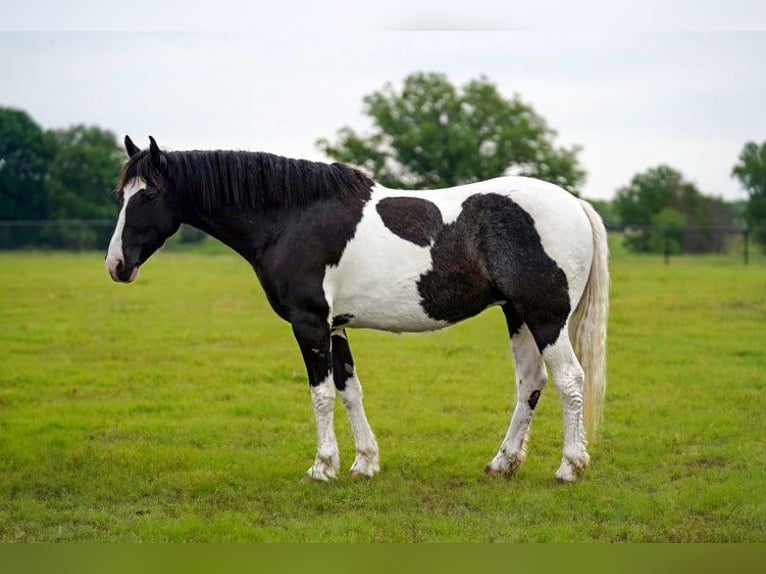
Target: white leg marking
327,460
530,378
569,379
367,459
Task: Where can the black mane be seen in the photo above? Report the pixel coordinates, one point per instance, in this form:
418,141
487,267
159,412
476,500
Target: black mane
251,179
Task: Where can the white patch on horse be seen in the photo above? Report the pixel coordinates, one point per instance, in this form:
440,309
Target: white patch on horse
569,378
366,462
376,279
114,255
327,459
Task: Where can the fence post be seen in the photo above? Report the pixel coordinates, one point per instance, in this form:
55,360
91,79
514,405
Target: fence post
747,245
666,237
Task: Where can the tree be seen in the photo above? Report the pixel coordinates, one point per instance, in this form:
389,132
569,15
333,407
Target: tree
432,134
83,173
664,211
24,153
80,179
751,173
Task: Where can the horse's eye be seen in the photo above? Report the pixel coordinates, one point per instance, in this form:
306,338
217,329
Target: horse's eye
149,192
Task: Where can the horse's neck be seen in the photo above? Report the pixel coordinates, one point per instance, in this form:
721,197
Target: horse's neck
245,230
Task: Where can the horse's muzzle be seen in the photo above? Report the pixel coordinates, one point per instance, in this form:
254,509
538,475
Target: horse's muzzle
119,272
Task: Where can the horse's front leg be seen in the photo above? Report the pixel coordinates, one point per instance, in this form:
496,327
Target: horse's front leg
366,462
313,336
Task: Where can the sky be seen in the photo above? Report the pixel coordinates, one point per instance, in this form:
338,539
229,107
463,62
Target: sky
632,99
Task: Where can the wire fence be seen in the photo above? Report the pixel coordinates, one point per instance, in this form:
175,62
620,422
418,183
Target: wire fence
73,235
68,234
745,244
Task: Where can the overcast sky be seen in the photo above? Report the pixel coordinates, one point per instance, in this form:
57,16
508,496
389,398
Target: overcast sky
631,99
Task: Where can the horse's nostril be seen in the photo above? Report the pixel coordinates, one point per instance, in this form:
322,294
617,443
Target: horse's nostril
120,265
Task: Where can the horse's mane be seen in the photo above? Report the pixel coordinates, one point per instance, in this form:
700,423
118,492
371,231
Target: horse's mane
250,179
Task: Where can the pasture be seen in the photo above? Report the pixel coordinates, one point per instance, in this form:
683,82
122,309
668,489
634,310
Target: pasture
176,409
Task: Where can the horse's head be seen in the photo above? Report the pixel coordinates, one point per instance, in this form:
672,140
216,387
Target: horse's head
150,211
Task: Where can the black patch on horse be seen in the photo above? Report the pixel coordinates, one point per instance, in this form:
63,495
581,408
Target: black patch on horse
411,218
342,362
512,320
341,320
459,285
493,253
533,398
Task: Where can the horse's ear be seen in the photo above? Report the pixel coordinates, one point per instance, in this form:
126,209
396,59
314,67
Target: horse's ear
158,158
130,147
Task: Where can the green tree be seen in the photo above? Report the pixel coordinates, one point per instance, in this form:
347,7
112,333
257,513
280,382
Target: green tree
80,179
669,234
662,209
83,173
24,153
751,173
432,134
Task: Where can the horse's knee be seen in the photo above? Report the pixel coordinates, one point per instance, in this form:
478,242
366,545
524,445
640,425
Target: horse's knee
323,397
567,374
570,380
351,395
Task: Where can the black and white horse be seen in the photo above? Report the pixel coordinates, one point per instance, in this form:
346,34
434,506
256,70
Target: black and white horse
333,251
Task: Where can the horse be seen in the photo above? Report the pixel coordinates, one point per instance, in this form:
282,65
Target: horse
335,251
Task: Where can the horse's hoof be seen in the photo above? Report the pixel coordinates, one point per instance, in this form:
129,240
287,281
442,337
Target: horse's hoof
314,475
506,468
560,479
572,469
568,474
489,471
507,473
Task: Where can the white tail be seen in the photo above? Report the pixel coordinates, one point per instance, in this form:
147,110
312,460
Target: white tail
587,327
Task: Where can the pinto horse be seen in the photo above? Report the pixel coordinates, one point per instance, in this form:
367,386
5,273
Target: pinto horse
335,251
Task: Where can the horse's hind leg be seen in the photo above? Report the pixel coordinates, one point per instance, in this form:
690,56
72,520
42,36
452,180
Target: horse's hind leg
530,381
569,378
347,383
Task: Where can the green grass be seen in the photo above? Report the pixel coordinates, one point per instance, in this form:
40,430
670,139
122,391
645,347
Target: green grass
175,409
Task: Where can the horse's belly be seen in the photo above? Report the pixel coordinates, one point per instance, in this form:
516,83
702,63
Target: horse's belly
375,284
383,314
384,303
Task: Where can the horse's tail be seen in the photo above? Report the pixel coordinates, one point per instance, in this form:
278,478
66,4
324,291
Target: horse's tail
587,327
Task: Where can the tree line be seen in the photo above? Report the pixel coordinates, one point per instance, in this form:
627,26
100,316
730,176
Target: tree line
57,175
426,133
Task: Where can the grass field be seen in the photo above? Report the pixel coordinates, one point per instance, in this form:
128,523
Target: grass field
176,409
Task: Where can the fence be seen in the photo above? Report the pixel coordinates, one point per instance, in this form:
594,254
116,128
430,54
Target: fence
694,240
71,234
75,235
86,235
